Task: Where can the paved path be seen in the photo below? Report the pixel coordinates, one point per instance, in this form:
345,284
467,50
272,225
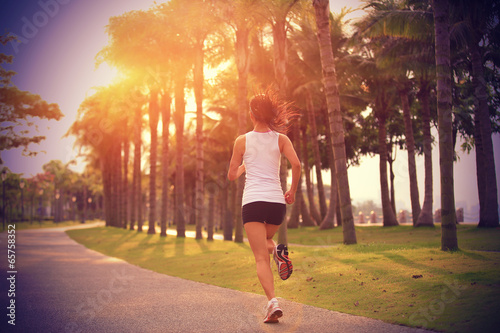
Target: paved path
61,286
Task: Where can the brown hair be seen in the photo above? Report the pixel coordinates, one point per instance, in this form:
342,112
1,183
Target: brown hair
269,109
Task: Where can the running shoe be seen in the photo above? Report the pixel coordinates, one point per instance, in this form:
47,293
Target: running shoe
273,311
285,266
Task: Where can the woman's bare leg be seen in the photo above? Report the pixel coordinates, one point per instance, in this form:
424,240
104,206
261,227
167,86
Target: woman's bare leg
270,245
259,236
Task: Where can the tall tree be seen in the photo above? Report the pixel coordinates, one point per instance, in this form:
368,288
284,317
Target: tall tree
322,11
199,30
165,107
278,11
137,46
125,194
154,113
381,109
98,128
410,49
239,16
311,113
426,214
477,20
446,152
404,87
328,221
136,207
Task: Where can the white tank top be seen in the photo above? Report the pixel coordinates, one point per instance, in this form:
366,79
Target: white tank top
262,159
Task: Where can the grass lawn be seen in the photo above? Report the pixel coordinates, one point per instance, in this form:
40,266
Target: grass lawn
396,274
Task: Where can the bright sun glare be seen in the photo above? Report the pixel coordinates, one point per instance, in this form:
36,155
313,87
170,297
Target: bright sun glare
105,75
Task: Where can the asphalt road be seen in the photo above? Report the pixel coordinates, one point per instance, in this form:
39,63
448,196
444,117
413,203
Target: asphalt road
61,286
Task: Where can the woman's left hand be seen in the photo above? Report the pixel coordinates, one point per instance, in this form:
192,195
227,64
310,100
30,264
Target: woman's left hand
290,197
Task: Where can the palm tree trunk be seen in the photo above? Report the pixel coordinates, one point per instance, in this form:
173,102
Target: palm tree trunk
198,92
443,73
211,214
299,207
307,221
125,194
166,101
426,218
119,185
389,216
84,215
322,12
307,175
226,212
153,125
136,191
480,160
180,110
106,183
115,181
390,161
410,146
328,221
488,212
317,156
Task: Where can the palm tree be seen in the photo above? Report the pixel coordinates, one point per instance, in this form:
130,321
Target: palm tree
309,187
153,126
306,70
125,194
99,127
165,107
381,110
371,26
317,157
278,11
198,32
443,74
135,47
404,88
475,20
410,49
179,115
136,207
378,86
328,221
426,214
238,15
321,8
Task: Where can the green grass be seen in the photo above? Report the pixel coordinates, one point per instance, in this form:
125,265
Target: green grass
378,278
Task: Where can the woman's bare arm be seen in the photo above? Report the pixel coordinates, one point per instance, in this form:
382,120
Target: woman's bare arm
287,149
236,168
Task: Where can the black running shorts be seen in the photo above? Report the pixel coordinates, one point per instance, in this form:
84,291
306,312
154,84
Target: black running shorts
265,212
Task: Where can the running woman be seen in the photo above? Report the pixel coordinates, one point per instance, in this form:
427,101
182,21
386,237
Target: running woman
258,153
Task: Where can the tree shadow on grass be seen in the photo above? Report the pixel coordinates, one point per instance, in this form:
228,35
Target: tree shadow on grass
473,255
399,259
242,245
147,241
203,245
126,236
179,246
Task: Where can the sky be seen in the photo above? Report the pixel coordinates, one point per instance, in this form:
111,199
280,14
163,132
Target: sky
56,59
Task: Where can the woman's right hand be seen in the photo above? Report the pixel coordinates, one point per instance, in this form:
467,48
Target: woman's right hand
289,197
